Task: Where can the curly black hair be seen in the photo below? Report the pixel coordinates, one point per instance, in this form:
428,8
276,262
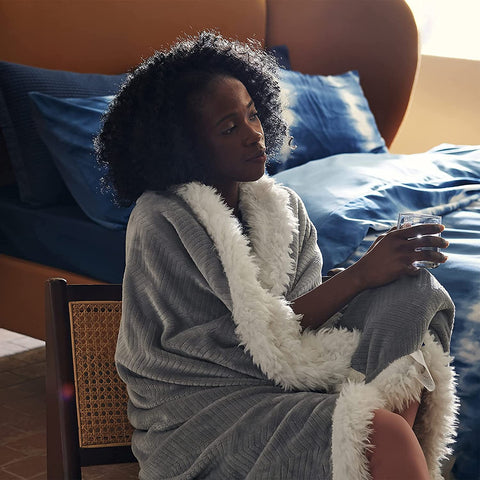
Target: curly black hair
147,140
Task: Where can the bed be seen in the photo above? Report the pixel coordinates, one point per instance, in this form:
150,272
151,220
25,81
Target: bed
361,58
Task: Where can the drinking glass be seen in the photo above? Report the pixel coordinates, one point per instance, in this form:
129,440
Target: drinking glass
411,219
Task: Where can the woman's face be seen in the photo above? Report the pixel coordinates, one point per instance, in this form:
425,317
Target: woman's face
231,134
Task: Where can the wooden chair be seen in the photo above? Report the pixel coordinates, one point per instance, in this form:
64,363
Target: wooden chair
86,400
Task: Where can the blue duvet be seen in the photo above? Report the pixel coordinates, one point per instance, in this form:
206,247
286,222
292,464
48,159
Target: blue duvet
352,198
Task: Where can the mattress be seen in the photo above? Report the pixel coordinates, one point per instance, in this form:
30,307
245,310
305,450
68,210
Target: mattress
60,236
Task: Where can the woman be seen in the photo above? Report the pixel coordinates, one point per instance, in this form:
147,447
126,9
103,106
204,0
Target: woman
239,361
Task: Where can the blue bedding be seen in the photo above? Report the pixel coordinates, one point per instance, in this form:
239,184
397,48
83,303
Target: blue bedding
352,198
60,236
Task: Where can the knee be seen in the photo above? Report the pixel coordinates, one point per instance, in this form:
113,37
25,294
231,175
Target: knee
390,431
395,451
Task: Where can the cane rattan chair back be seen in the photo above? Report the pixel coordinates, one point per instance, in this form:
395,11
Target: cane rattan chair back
86,400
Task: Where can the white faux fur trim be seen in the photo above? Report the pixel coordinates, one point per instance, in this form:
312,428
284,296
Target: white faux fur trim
262,204
265,323
437,419
351,429
393,389
258,275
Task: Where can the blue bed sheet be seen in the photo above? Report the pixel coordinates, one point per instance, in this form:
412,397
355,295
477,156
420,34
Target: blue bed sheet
60,236
353,198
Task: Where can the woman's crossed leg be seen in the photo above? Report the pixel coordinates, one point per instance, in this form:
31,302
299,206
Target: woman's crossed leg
396,453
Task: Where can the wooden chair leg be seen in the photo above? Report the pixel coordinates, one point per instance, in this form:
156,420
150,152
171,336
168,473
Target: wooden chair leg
63,461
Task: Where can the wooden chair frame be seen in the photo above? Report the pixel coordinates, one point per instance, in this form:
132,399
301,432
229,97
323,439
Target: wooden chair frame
65,457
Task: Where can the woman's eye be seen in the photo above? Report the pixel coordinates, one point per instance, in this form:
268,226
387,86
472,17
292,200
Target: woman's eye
229,130
254,116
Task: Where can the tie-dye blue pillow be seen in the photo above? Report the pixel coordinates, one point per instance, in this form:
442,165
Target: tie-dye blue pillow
327,115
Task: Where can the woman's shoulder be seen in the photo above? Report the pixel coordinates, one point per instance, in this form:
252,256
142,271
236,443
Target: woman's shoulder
155,208
153,203
155,199
158,220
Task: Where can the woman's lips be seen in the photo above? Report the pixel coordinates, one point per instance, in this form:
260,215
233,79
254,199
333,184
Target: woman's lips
260,157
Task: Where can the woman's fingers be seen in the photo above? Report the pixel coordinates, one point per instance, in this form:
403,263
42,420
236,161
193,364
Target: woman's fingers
427,241
420,230
429,256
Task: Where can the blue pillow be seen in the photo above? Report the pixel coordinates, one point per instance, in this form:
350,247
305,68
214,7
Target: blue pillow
68,126
282,55
38,180
327,115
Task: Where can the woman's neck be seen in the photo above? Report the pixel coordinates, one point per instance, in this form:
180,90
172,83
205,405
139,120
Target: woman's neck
230,194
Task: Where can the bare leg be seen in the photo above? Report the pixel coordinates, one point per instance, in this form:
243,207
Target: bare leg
410,413
396,454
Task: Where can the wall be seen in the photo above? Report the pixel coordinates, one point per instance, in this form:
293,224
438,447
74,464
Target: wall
445,106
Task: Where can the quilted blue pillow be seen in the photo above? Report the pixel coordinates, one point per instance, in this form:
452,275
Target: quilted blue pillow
68,126
327,115
38,180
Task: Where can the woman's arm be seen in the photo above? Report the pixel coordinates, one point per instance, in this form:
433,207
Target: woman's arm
390,257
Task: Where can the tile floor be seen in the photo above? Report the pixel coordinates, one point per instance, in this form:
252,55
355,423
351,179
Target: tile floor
22,414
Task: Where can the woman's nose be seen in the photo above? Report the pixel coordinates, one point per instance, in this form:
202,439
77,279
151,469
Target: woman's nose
254,135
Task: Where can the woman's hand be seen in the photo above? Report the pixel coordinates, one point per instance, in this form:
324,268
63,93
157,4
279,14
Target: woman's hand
392,254
380,237
389,257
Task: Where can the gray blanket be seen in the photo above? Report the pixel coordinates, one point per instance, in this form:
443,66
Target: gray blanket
222,381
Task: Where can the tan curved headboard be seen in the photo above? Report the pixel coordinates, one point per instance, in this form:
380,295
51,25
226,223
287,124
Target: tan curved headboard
111,36
376,37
